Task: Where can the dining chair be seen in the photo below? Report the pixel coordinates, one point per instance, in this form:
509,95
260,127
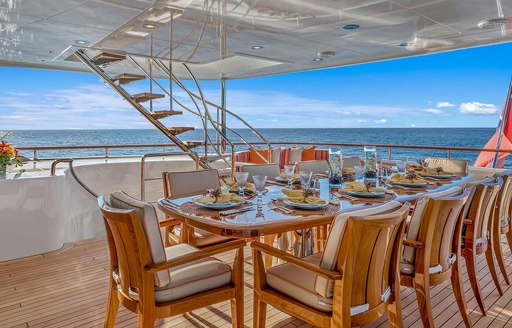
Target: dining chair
478,221
157,282
351,162
183,184
270,170
432,249
353,282
456,166
502,222
316,166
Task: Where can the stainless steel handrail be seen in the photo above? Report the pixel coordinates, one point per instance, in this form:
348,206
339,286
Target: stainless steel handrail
73,174
143,169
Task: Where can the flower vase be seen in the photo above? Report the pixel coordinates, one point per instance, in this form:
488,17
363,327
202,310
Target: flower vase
3,172
370,164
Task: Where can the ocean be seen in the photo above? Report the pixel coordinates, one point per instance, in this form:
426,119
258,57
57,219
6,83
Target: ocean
459,137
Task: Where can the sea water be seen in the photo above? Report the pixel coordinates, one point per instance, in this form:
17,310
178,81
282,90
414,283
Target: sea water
451,137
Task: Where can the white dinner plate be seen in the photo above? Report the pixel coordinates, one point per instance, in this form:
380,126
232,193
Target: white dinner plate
280,179
305,206
409,184
437,176
366,194
217,206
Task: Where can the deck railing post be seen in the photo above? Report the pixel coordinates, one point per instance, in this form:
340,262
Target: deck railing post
390,153
449,153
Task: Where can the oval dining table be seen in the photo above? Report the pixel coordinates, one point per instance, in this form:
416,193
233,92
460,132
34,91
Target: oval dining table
272,217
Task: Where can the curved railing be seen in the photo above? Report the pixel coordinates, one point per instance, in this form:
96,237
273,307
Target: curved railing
71,169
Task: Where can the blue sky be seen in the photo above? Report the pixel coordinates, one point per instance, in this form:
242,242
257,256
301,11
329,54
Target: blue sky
464,88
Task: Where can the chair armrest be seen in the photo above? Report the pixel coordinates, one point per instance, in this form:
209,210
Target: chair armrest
413,243
333,275
200,254
168,222
467,222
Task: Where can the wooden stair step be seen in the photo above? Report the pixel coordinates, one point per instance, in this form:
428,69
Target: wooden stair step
145,96
159,114
180,129
106,57
192,144
125,78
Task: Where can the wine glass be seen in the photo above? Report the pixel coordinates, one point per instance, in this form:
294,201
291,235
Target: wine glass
305,179
241,180
359,170
289,171
400,165
259,185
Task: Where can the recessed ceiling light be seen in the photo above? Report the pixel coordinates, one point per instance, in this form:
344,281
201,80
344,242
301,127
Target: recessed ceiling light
326,54
257,47
81,42
350,26
318,59
492,23
149,26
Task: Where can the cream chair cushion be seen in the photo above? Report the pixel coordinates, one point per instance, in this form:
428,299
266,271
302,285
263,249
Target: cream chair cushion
455,166
181,184
415,222
299,283
270,170
276,155
203,238
351,162
295,155
319,166
149,221
192,278
329,260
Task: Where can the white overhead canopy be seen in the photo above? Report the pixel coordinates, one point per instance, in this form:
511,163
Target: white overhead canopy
244,38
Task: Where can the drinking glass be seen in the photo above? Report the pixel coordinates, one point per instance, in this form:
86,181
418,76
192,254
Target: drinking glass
400,165
259,185
289,172
359,172
241,180
305,179
404,158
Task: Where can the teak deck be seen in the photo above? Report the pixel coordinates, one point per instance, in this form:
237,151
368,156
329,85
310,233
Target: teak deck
67,288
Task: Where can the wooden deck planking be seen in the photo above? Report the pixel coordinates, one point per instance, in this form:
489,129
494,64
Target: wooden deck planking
67,288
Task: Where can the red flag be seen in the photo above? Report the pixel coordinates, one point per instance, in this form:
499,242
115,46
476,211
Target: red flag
500,140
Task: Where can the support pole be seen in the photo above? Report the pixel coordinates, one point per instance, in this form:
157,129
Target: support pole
223,113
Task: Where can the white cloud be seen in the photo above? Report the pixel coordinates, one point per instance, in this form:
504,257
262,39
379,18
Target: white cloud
435,111
413,125
381,121
445,104
477,108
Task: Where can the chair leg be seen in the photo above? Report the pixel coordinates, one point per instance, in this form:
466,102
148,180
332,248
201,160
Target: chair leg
146,320
469,256
489,256
422,286
509,237
498,251
458,291
259,313
112,305
237,303
394,312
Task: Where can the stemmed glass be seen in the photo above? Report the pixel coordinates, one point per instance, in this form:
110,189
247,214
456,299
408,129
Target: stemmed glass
259,185
289,172
305,179
241,180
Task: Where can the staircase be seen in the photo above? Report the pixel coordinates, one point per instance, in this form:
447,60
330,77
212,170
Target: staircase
211,152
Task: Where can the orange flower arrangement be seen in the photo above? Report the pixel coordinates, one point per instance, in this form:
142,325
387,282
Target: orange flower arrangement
8,154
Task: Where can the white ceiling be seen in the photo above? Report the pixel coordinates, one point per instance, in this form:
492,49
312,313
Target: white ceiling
42,33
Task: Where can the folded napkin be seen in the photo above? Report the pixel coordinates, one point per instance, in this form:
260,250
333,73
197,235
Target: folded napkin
297,196
348,170
360,187
296,176
225,197
248,186
414,166
432,171
401,178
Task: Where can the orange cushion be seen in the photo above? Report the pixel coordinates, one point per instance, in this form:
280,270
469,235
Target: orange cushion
308,154
255,159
